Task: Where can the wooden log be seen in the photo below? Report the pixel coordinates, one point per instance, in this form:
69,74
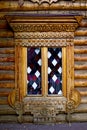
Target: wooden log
78,58
10,67
80,42
28,6
6,34
4,94
83,93
80,76
79,117
7,59
6,110
7,51
82,108
83,24
3,102
3,24
80,84
7,77
80,51
81,33
8,118
7,85
84,100
80,67
6,42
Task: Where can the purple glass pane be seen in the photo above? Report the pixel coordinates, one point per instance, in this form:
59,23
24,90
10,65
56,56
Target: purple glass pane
33,71
55,71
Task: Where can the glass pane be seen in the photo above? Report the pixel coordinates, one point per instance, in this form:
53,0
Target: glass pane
33,71
55,71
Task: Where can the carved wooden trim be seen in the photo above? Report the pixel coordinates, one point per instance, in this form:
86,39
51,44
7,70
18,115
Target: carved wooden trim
44,35
44,27
43,42
44,109
46,1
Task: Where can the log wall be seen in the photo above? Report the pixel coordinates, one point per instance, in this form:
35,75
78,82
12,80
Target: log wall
7,64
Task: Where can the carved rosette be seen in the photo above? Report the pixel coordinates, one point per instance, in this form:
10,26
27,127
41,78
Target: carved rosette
74,101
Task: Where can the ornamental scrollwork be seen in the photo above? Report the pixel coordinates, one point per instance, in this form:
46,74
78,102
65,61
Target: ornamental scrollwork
44,27
21,2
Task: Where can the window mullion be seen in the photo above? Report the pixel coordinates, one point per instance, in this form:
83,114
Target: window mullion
44,74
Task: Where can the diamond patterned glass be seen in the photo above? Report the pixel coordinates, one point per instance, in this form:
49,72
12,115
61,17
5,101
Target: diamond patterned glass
55,71
33,71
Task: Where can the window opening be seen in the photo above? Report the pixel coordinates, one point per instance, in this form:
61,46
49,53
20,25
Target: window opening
55,71
33,71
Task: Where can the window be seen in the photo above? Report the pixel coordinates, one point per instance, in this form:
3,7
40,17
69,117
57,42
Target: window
52,62
44,65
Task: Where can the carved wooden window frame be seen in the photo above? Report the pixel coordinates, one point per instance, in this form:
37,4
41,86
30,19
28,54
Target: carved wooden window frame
38,31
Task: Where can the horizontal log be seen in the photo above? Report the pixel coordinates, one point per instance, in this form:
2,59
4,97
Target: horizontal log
10,67
28,6
3,102
83,93
84,100
4,94
6,110
83,24
7,59
80,67
80,84
80,42
80,51
81,33
80,76
79,117
7,51
6,34
82,108
3,24
78,58
6,42
8,118
7,85
7,76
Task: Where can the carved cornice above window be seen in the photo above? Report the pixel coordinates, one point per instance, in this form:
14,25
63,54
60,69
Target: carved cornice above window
46,23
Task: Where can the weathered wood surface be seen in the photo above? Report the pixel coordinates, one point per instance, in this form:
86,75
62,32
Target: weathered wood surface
7,51
7,85
80,67
6,34
80,51
7,77
80,76
4,94
81,33
10,67
80,84
6,42
79,58
7,59
80,42
78,117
